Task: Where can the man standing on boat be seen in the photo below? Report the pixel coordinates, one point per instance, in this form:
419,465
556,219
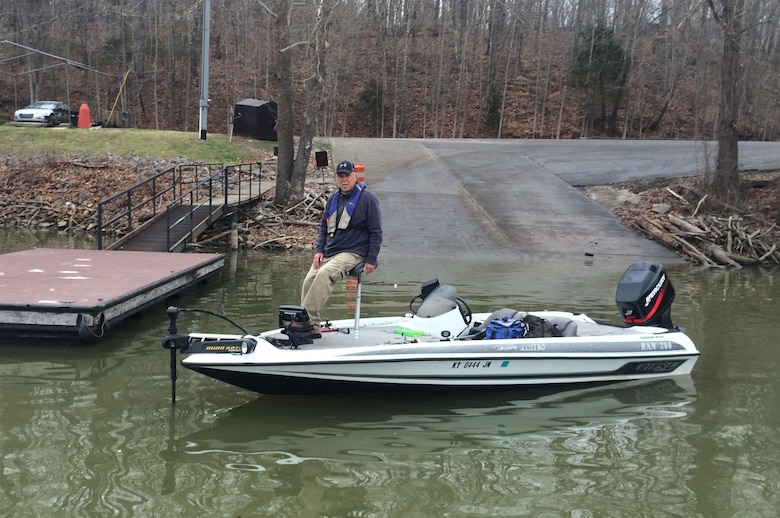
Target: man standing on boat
350,232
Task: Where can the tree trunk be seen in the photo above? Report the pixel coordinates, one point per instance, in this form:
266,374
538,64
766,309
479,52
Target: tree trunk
725,182
291,169
283,84
314,86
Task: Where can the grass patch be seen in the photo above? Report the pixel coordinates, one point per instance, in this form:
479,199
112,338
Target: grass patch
40,141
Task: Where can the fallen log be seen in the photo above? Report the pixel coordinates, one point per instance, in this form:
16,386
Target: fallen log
684,225
301,223
718,253
654,230
260,245
695,253
743,259
211,239
672,241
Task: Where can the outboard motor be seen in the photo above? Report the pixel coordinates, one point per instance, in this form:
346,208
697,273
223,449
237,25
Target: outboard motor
644,296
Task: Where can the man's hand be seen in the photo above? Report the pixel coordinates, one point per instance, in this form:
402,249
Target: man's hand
368,268
317,260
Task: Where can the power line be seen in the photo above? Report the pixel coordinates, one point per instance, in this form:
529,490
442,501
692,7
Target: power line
53,56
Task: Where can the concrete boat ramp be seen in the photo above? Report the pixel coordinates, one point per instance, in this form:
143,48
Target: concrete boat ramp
517,200
79,295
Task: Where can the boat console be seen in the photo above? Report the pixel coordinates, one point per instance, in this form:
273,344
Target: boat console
438,299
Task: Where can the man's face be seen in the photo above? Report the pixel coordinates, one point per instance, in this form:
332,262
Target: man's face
346,181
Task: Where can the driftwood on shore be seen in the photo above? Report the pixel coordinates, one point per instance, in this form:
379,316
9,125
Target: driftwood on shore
714,241
265,226
47,215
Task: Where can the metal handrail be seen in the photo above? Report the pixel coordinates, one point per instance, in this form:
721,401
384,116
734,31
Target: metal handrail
193,198
174,195
229,176
130,201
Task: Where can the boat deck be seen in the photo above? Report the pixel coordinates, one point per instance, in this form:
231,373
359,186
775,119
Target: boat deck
340,336
82,294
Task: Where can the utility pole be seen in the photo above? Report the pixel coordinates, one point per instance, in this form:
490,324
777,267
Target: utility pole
204,70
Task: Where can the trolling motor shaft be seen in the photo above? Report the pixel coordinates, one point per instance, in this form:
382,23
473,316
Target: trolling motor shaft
174,341
181,342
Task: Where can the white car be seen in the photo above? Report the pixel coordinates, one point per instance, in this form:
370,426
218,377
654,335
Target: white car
53,113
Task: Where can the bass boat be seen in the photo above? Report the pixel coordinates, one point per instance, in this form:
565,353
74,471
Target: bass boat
441,344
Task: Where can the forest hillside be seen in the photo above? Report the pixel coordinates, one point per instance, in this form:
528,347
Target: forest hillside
400,68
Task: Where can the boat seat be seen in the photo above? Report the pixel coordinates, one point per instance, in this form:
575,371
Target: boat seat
357,270
563,326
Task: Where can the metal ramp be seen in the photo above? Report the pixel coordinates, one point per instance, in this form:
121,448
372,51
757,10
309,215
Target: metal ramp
171,231
166,212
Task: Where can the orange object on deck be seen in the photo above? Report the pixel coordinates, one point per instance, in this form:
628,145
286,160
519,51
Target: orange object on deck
360,172
84,119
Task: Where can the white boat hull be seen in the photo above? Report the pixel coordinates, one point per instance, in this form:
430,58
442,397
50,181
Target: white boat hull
384,359
441,344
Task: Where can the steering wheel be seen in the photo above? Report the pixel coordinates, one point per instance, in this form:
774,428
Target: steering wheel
465,310
411,304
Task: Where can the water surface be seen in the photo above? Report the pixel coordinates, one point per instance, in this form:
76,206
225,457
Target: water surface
90,430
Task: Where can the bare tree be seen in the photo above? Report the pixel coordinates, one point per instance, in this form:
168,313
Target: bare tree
725,181
291,166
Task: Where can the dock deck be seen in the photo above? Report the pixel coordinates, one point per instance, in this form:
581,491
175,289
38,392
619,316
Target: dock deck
80,295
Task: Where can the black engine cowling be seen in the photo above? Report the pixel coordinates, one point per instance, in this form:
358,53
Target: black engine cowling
644,296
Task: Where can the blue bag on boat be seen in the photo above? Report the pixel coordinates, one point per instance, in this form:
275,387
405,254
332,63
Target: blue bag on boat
506,328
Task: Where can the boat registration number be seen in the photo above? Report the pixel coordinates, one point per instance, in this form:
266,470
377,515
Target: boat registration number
471,364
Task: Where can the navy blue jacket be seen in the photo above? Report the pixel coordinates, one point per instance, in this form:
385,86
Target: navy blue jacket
363,235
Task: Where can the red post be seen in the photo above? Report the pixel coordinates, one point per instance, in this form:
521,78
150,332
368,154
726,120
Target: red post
84,120
360,172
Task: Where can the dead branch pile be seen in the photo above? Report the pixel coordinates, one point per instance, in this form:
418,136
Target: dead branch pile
715,238
47,215
267,227
711,240
62,192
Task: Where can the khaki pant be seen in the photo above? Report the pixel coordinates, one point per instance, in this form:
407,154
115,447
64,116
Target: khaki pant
318,283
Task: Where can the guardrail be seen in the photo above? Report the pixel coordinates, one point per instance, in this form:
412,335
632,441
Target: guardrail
194,185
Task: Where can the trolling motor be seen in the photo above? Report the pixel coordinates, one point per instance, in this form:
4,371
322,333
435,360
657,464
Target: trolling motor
295,323
181,342
644,296
172,342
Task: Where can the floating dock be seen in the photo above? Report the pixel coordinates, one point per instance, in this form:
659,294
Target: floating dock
80,295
